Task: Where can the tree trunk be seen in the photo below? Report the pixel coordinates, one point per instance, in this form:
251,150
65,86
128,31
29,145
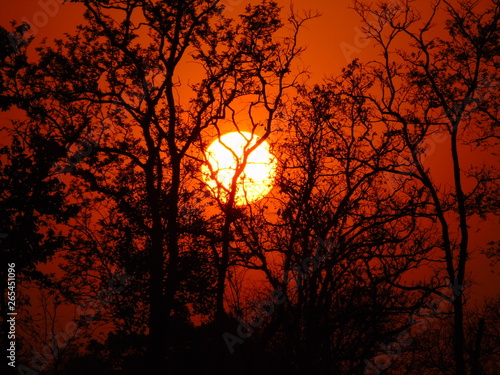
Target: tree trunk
220,314
476,354
458,335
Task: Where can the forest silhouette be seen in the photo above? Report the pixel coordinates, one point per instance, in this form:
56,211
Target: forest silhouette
356,261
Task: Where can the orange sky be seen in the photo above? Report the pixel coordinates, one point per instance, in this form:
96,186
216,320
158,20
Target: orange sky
325,38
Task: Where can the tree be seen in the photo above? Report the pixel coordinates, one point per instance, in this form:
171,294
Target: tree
337,242
32,204
443,85
316,276
111,99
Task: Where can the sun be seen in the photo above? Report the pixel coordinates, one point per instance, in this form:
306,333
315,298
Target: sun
224,154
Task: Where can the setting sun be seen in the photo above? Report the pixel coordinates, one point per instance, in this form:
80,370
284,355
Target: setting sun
225,153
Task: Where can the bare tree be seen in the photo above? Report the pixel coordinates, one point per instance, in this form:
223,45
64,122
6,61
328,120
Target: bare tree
446,84
113,99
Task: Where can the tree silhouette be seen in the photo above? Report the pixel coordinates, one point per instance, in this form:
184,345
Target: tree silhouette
442,85
355,262
120,96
